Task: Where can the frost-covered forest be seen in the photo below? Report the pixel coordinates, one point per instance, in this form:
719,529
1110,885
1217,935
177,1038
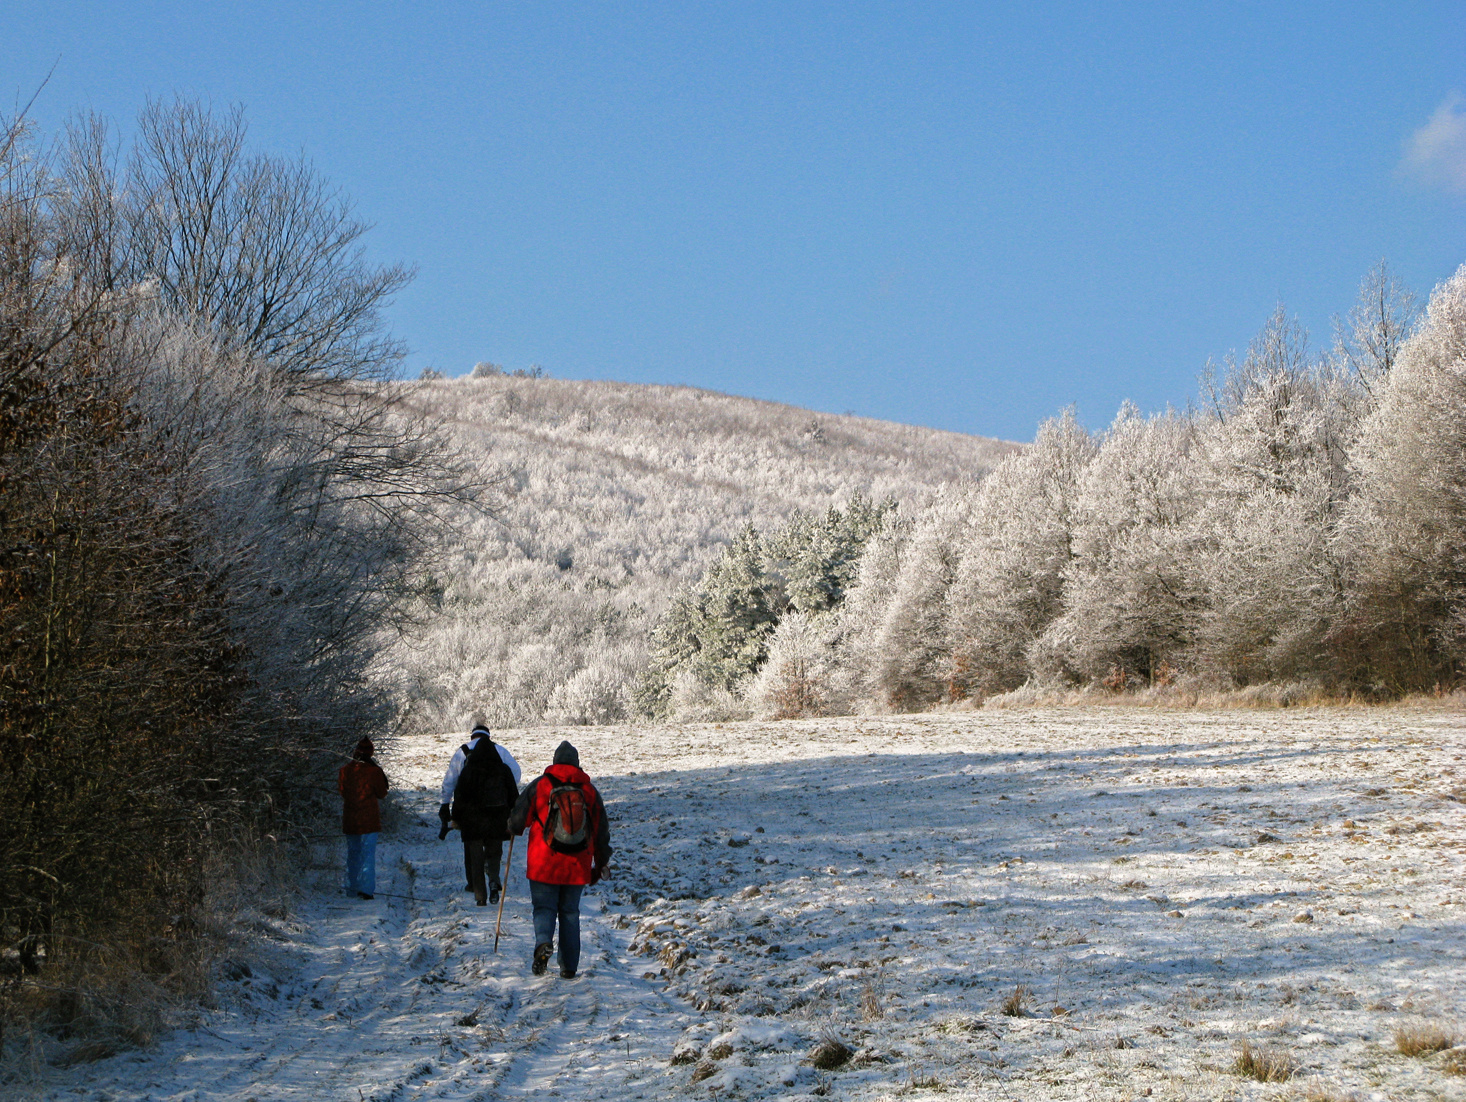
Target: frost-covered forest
1296,533
608,497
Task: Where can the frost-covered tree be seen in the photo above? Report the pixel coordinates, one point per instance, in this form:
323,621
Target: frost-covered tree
798,678
260,250
716,635
815,557
1407,619
907,665
1274,480
1131,593
1369,341
856,633
1009,580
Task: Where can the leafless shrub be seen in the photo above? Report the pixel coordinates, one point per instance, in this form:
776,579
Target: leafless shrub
798,694
1015,1005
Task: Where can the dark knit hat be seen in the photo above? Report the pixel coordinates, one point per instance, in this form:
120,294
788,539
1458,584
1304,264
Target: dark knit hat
364,750
565,754
479,729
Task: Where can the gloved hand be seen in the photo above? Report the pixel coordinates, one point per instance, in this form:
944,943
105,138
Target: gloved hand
597,873
445,815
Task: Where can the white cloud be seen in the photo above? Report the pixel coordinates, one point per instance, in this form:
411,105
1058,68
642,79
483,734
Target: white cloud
1436,153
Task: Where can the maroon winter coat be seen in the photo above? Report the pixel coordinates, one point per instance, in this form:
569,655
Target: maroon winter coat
361,784
541,862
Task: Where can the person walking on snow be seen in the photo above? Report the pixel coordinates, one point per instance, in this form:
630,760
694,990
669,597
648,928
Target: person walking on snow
483,844
481,801
569,845
361,783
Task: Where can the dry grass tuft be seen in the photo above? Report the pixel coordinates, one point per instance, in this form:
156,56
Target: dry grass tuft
872,1005
923,1083
1319,1091
1455,1062
830,1054
1423,1038
704,1070
1016,1004
1265,1064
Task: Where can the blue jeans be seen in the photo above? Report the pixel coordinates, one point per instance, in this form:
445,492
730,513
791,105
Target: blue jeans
562,900
361,863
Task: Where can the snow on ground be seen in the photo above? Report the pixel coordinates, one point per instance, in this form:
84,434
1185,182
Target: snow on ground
1161,886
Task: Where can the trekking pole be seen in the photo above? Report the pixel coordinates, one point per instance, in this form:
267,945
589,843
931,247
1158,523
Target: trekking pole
504,890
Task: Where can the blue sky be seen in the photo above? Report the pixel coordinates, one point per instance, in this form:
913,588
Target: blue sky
960,215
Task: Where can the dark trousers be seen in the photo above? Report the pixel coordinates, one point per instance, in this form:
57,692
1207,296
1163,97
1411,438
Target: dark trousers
560,902
482,856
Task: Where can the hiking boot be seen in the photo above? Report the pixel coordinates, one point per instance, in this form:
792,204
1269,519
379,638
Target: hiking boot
480,901
366,895
541,957
567,973
493,893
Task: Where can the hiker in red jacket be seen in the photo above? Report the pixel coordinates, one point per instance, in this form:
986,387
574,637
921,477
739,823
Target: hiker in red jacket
569,845
361,783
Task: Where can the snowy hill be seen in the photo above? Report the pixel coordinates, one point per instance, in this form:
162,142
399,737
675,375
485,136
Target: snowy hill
612,495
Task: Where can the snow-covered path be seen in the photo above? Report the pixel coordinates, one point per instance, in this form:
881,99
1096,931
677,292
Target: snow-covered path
1163,887
403,998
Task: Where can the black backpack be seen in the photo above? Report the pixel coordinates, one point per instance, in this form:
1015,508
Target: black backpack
567,822
482,785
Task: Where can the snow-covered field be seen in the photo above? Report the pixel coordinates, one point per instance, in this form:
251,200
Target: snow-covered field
1163,887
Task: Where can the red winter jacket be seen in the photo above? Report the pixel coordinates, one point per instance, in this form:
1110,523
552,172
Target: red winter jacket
361,784
543,863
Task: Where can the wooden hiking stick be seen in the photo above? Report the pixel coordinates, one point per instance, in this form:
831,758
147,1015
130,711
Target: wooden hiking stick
504,890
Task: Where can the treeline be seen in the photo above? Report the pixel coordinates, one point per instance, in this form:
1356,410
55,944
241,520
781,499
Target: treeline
1297,534
209,516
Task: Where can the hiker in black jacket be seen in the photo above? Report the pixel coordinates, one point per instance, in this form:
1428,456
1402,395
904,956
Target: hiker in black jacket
479,790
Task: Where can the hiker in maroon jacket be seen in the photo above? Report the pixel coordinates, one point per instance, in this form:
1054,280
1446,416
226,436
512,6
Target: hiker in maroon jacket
361,783
569,845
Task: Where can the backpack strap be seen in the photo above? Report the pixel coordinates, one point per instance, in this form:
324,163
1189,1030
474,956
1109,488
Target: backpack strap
546,831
